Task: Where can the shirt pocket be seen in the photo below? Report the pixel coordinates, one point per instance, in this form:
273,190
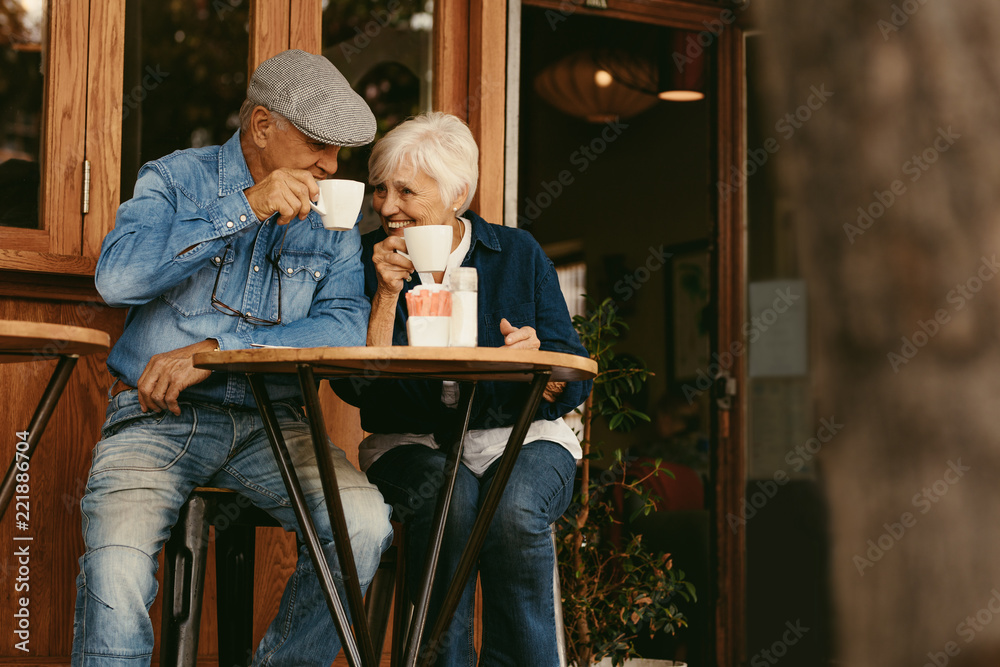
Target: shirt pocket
302,272
521,315
194,295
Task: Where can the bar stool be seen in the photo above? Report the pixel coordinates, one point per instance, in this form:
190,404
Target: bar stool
236,520
185,555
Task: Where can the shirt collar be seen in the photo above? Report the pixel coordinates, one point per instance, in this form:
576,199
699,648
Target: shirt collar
234,174
482,232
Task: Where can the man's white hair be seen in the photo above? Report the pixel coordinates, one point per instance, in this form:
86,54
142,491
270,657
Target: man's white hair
246,111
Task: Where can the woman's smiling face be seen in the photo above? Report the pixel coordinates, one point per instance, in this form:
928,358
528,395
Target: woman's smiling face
410,197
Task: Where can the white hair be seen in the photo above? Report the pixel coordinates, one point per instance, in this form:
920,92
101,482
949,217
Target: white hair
246,112
436,143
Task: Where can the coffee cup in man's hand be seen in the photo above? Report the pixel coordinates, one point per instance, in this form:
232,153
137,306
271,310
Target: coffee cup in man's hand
339,203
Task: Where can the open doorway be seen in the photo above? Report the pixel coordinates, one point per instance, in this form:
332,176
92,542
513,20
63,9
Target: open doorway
627,203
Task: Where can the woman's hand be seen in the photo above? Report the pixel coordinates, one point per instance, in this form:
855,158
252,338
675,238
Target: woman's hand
524,338
392,268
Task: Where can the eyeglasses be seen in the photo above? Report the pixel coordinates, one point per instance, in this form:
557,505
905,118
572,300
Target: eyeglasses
229,310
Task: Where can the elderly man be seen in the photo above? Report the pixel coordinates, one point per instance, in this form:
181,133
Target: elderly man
218,249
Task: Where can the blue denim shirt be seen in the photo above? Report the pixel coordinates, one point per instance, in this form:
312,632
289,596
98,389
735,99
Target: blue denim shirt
167,247
516,281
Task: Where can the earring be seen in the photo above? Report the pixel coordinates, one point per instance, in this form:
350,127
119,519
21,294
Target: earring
454,209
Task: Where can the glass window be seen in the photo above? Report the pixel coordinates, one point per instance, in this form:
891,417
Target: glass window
384,50
21,88
185,77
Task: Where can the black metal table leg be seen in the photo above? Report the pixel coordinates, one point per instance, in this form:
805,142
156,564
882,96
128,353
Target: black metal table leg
335,510
47,404
419,619
304,518
471,552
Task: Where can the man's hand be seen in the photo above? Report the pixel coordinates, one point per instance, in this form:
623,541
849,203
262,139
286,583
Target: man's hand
524,338
391,267
168,374
285,191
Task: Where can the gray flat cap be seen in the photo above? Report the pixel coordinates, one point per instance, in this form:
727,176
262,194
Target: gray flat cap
314,96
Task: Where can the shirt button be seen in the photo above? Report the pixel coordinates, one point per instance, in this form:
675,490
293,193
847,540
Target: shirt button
249,314
243,218
217,260
256,268
230,224
316,274
289,271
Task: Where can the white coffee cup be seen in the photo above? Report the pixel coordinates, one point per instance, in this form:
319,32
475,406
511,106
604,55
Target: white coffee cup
428,330
339,203
428,247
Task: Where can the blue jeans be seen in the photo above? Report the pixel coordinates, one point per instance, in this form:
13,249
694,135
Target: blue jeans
517,562
143,470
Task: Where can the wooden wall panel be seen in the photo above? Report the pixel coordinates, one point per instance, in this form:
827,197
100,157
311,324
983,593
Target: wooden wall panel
58,475
58,479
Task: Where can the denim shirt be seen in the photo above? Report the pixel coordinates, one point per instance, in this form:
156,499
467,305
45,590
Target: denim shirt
169,244
516,281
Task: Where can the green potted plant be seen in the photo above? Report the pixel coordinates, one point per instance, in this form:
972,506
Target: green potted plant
612,590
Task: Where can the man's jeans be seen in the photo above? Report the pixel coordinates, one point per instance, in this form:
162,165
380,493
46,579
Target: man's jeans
517,560
143,470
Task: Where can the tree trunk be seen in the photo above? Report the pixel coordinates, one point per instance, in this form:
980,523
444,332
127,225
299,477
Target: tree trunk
894,176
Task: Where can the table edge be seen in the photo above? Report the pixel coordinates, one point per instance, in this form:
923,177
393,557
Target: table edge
217,360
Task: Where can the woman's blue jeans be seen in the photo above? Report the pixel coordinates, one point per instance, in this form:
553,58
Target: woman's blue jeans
517,562
143,470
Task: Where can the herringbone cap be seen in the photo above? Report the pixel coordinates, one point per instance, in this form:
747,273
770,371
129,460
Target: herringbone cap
314,96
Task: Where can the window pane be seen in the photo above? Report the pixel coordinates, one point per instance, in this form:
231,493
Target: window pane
21,87
185,77
384,50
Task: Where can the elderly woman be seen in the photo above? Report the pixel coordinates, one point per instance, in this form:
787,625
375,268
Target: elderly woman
425,173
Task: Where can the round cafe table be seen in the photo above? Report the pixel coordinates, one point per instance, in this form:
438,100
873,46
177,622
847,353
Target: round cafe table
35,341
467,366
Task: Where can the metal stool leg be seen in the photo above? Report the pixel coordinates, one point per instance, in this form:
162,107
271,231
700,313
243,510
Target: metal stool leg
234,564
378,601
403,609
183,580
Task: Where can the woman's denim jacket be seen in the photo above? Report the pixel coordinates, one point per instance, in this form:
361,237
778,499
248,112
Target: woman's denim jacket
516,281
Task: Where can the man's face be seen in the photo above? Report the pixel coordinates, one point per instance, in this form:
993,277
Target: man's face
291,149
